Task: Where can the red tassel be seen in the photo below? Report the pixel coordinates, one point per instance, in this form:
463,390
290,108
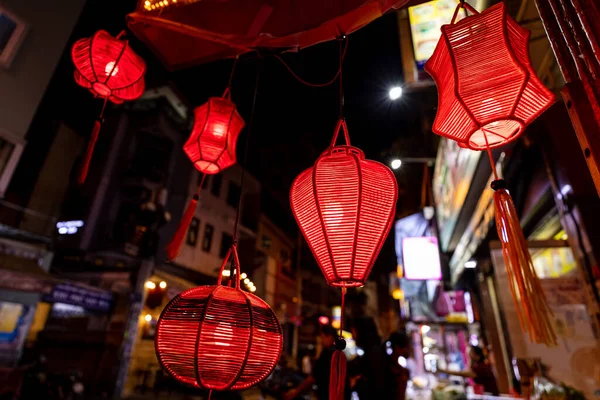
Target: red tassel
529,298
337,376
174,247
83,170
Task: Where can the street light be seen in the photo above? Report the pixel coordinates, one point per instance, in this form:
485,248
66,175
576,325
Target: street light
471,264
395,93
396,163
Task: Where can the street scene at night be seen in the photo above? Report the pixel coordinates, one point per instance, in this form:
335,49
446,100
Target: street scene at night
300,200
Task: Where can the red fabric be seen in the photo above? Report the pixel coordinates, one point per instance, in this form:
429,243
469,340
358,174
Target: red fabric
218,338
207,30
486,84
211,145
108,67
345,206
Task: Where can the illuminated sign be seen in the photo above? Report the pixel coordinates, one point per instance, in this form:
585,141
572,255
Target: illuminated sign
421,258
426,21
68,227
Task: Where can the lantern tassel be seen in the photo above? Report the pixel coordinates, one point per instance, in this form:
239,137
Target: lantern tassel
174,247
337,374
535,316
87,158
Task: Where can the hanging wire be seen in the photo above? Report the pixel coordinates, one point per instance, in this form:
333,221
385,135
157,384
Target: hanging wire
341,74
244,164
315,84
235,61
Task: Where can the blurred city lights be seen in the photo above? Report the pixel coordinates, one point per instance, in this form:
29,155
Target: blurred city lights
150,285
395,93
471,264
148,317
396,163
162,285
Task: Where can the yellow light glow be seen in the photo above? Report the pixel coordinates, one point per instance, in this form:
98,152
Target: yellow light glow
147,3
163,285
253,289
244,275
226,272
148,317
150,285
398,294
246,281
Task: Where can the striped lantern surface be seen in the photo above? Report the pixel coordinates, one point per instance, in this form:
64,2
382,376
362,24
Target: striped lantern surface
218,338
217,125
488,91
108,67
345,206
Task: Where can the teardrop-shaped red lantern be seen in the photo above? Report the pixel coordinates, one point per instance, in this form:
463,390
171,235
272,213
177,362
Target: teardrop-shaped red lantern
217,125
345,206
218,337
487,89
108,68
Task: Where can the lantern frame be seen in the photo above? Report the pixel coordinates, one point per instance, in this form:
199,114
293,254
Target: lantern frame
334,277
101,88
474,118
233,383
193,147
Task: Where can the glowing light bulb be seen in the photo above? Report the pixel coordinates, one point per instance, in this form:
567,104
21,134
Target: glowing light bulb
397,163
150,285
162,285
333,214
246,281
148,317
244,275
253,289
147,3
111,69
226,272
395,93
223,334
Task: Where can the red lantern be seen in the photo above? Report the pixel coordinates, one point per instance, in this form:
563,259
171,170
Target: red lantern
488,91
211,147
108,68
487,94
345,206
218,337
217,125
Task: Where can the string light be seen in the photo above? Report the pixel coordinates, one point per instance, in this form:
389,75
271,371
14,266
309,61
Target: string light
148,317
150,5
150,285
163,285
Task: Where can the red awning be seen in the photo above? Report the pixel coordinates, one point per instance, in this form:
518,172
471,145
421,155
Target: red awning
190,32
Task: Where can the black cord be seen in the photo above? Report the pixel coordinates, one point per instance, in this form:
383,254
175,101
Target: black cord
250,126
235,61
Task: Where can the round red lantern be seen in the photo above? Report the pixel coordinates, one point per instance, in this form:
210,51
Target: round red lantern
345,206
488,91
217,125
218,337
108,68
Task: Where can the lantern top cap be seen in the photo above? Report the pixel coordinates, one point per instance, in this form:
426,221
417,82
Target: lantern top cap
346,149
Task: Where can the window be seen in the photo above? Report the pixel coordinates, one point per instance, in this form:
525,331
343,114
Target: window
226,241
233,195
192,233
217,182
208,236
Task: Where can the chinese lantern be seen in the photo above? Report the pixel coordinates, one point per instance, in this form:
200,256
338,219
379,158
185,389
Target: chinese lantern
110,69
345,206
211,147
488,93
218,337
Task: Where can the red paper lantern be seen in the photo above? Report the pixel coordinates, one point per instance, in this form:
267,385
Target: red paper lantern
218,337
108,67
488,91
217,125
345,206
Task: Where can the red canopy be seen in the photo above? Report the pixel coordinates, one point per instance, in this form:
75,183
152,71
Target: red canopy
190,32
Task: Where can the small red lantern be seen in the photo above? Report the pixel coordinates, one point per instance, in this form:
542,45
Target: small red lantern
108,68
345,206
487,94
211,147
488,91
217,125
218,337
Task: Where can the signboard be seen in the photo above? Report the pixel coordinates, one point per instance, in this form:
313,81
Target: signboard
454,171
426,21
421,258
90,299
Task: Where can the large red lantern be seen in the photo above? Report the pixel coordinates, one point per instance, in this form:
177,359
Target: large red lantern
218,337
110,69
487,94
488,91
345,206
217,125
211,147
